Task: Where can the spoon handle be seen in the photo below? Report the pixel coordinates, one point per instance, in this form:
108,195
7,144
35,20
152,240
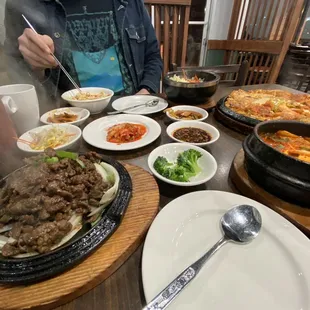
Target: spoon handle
165,297
127,109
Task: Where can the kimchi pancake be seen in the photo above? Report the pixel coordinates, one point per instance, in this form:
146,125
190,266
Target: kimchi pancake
263,105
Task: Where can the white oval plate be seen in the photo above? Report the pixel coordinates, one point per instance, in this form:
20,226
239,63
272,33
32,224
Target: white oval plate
95,133
71,129
130,101
203,112
82,114
171,151
197,124
272,272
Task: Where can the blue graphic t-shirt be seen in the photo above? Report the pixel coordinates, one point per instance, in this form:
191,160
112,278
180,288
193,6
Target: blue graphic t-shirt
92,49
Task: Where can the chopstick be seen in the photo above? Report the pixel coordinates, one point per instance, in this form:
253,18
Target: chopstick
184,74
58,62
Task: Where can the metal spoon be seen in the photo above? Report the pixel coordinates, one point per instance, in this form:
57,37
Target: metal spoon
240,224
151,103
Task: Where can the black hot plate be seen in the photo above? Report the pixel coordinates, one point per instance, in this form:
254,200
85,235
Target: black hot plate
40,267
237,117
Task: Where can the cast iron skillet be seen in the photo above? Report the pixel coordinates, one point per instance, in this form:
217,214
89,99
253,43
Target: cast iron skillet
278,173
41,267
238,117
191,93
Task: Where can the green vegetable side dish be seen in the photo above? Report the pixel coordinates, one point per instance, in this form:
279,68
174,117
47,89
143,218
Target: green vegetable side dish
52,160
62,155
185,167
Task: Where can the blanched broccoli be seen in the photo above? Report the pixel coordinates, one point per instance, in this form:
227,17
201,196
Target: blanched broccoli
185,168
161,164
165,168
189,160
182,174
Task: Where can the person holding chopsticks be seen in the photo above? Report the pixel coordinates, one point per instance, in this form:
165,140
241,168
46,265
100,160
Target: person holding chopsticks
108,43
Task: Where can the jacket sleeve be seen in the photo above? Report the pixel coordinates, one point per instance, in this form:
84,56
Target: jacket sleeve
152,62
17,68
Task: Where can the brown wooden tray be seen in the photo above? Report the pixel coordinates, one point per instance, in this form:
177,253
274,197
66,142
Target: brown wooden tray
232,123
297,215
101,264
208,105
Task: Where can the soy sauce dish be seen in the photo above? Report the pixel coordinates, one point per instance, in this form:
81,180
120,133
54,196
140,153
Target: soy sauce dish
193,132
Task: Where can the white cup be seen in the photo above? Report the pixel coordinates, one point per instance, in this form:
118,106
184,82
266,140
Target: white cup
21,103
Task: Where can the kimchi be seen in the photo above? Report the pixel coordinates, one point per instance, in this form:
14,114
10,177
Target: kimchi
125,133
289,144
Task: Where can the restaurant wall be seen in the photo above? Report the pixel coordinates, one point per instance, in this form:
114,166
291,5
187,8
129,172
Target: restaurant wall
219,26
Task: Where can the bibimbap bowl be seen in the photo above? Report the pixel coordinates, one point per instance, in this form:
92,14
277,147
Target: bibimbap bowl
190,93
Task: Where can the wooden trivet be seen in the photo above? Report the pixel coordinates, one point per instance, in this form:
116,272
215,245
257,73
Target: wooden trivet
297,215
208,105
101,264
232,123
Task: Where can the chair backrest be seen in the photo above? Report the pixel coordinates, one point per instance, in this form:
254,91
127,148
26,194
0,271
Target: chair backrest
260,31
224,70
170,19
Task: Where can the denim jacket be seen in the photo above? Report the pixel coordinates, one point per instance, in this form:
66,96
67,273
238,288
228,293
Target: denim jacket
138,39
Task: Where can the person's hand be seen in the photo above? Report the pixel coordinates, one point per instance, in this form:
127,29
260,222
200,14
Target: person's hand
143,91
36,50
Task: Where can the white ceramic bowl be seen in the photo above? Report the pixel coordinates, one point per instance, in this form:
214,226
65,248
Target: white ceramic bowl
71,129
171,151
203,112
196,124
82,114
94,106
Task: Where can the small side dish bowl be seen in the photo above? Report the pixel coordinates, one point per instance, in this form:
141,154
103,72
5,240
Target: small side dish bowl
82,115
94,106
70,129
171,151
204,113
211,130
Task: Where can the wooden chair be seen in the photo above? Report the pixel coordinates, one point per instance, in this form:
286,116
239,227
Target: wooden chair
225,71
260,32
170,19
295,71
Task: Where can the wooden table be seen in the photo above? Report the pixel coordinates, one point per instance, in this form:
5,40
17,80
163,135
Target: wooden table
124,290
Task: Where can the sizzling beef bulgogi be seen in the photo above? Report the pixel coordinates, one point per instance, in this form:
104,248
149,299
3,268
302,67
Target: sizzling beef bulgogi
39,200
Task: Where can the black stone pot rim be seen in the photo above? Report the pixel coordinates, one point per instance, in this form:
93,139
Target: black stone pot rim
276,173
258,126
213,82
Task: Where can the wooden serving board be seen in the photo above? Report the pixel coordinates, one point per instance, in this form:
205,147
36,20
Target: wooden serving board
101,264
208,105
297,215
232,123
